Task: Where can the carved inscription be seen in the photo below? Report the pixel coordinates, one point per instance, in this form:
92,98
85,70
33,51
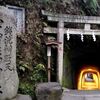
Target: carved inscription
0,90
1,21
0,84
0,47
8,47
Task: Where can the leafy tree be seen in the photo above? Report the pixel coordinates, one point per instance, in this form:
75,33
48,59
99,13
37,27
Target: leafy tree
90,6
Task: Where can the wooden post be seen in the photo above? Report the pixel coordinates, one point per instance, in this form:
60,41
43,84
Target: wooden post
60,38
49,66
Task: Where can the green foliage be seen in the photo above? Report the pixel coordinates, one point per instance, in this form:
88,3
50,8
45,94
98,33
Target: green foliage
47,1
26,88
29,81
91,6
23,67
38,74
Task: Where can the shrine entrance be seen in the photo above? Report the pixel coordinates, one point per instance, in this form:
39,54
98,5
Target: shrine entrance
78,56
78,45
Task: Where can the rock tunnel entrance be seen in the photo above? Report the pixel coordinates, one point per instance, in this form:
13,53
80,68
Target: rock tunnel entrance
78,56
77,47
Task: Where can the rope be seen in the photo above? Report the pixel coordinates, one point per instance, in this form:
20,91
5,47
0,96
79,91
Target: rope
94,37
68,34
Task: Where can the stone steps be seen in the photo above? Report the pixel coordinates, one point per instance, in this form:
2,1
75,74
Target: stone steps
81,95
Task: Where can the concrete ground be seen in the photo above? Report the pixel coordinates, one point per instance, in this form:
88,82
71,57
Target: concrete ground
22,97
81,95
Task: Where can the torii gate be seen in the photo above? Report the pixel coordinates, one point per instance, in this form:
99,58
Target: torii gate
60,31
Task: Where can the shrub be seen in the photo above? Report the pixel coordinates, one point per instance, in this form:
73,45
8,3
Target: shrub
28,82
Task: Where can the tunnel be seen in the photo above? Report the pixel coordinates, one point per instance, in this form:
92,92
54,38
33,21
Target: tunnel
79,55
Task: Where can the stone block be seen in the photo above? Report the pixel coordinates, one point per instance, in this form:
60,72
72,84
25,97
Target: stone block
48,91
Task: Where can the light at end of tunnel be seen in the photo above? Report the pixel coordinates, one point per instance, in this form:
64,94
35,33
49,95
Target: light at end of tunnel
89,79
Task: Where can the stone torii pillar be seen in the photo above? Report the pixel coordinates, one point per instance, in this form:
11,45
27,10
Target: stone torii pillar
60,39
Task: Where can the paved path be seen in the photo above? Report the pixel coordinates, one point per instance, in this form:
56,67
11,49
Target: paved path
81,95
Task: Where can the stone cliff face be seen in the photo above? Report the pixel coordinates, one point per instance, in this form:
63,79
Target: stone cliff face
29,48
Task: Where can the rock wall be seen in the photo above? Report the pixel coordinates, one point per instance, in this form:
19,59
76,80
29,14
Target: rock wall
29,48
